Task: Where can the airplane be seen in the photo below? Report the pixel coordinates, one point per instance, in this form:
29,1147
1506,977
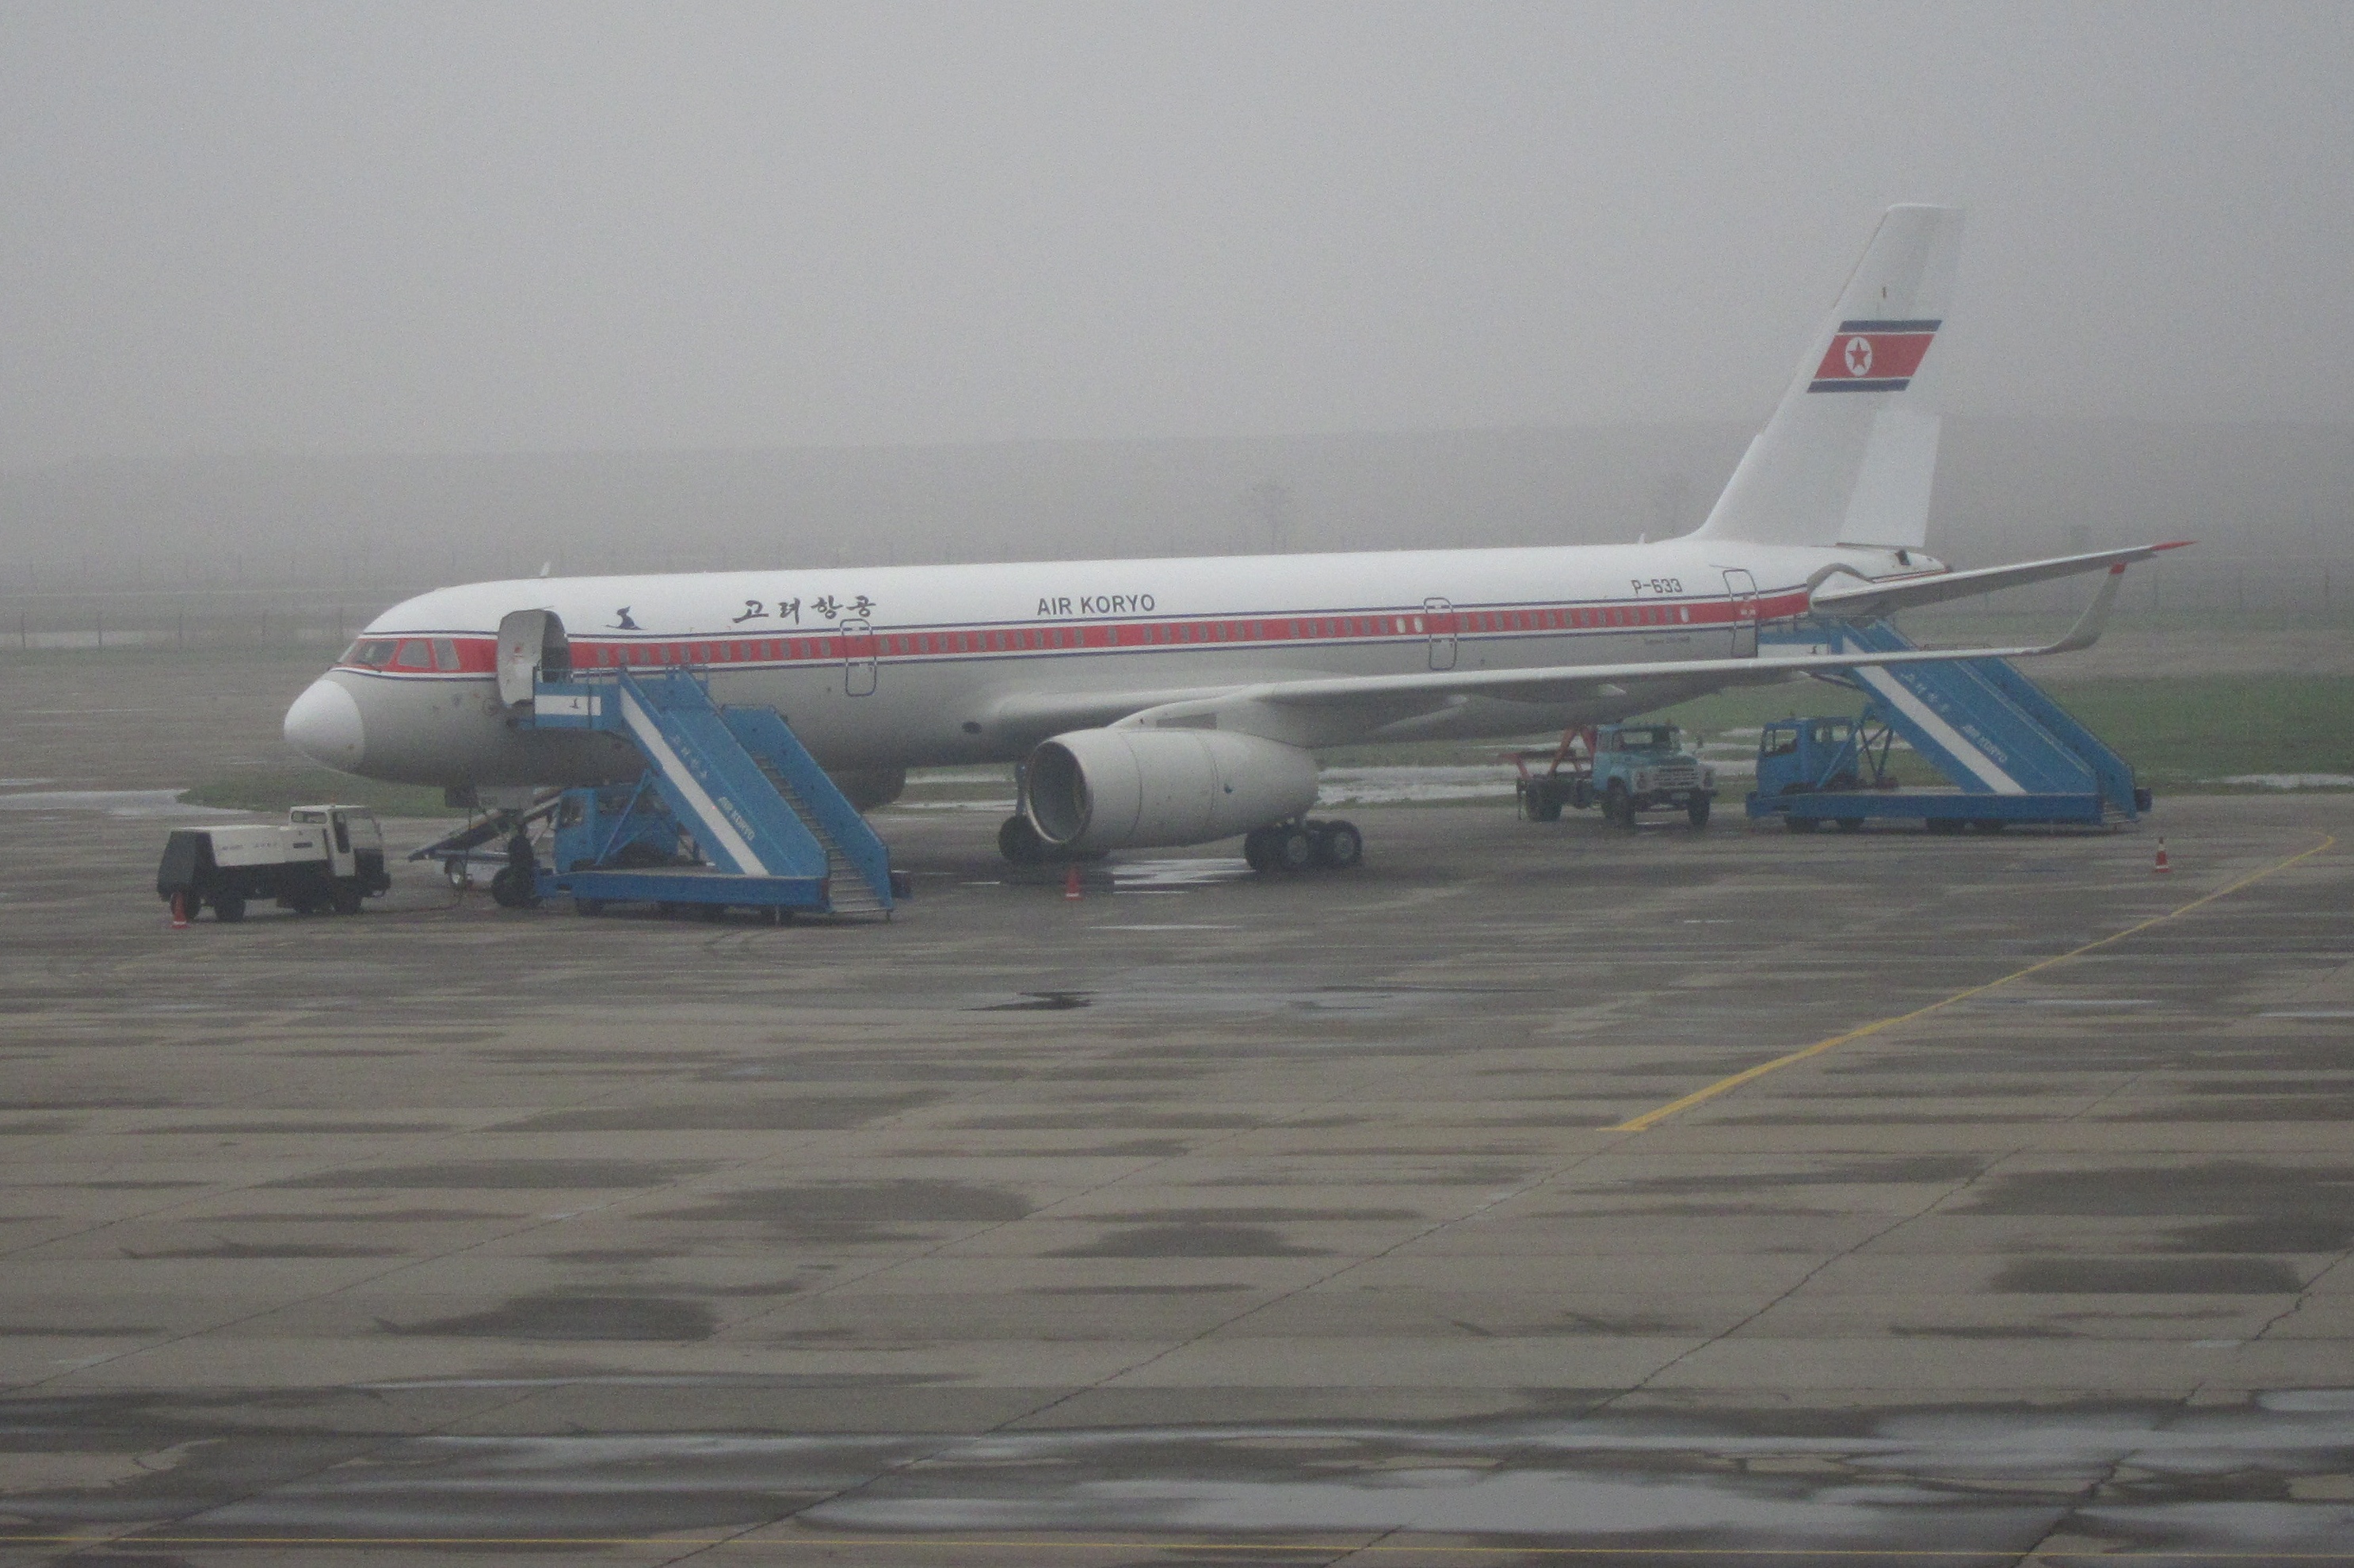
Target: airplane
1154,703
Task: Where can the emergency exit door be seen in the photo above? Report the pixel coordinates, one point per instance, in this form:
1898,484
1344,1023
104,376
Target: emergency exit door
1439,620
859,659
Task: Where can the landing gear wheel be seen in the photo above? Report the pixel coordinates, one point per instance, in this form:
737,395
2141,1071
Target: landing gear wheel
1019,843
229,907
1618,806
1257,854
346,900
459,879
1697,813
1338,845
1290,849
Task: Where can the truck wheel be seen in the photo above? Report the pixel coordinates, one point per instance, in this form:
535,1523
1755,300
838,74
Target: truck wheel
1697,811
346,899
228,907
1618,806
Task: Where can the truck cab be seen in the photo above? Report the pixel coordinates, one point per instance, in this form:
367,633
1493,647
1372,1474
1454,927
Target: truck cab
1803,755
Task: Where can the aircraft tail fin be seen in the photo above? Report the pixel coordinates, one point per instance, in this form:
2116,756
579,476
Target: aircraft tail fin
1849,453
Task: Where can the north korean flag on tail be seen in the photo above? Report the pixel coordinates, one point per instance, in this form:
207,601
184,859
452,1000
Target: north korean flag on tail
1874,356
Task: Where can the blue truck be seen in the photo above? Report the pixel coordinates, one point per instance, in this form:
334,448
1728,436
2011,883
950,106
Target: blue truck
1625,768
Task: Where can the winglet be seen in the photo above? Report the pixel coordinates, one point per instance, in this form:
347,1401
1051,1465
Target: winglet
2096,619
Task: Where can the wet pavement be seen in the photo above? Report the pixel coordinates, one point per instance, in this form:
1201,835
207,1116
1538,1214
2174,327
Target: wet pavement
1293,1215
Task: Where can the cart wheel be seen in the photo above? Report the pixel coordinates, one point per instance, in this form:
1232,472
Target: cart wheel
1802,824
228,907
346,900
590,907
1697,813
1851,824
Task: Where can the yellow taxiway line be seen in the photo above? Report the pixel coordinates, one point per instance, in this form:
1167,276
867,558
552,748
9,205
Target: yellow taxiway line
1651,1118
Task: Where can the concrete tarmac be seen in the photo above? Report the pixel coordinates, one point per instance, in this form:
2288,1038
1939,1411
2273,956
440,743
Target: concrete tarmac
1292,1215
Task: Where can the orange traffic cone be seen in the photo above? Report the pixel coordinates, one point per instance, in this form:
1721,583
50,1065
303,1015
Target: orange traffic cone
2163,865
1071,883
179,911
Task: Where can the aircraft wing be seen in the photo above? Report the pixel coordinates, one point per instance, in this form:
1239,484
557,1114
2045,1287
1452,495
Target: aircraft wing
1859,598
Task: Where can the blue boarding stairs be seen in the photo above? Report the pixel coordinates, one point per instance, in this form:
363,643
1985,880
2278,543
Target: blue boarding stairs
2010,753
732,811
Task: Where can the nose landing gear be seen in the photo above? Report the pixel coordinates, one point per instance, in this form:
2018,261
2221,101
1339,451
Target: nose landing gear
1303,846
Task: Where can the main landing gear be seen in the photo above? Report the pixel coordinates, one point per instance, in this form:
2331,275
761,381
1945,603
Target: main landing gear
1304,846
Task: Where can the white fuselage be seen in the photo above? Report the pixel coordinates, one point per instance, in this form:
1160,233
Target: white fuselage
884,668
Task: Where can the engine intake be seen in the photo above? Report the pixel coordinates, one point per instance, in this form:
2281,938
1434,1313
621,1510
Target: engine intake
1139,789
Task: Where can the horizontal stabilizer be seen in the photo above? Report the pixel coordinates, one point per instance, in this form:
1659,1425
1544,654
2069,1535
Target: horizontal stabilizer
1855,599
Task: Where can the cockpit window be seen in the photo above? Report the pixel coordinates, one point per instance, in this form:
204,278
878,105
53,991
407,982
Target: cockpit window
370,652
445,653
415,654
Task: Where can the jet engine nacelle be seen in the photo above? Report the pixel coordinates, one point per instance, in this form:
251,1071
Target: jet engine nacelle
1136,789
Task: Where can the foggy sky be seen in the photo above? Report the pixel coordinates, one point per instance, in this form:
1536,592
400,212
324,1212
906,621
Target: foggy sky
330,228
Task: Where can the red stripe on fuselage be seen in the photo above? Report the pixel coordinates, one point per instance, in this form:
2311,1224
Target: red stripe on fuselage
477,652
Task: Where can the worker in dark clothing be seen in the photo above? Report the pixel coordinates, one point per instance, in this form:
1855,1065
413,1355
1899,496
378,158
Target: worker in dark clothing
517,884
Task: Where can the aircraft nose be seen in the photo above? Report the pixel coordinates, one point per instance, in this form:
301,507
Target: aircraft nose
324,725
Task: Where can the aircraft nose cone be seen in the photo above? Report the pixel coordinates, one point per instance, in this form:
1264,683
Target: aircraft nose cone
324,725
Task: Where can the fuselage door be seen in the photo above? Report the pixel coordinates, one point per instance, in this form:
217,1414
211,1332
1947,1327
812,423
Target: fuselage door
531,646
858,659
1741,591
1439,620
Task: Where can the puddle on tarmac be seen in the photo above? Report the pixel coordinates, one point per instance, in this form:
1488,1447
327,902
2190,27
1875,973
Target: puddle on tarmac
1997,1481
1190,995
1139,876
